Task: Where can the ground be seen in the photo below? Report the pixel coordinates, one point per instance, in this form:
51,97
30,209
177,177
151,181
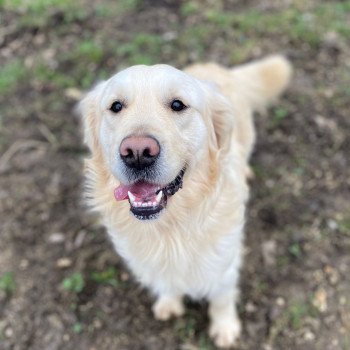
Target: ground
61,284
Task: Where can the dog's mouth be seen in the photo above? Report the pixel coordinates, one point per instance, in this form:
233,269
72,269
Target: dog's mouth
148,200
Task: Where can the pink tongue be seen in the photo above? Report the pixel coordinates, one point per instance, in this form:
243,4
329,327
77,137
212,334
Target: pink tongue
141,190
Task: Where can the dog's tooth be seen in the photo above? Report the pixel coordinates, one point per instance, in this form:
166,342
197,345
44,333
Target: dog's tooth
131,197
159,197
154,203
144,204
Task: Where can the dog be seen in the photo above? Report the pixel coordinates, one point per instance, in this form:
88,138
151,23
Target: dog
168,174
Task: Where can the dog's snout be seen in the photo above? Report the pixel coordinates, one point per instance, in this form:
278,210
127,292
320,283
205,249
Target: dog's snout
139,152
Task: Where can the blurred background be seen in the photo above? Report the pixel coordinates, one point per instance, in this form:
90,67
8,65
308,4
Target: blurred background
61,284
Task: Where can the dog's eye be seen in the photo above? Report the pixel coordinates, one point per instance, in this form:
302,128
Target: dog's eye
177,105
116,107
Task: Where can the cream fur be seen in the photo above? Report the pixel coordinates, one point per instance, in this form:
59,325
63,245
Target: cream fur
195,246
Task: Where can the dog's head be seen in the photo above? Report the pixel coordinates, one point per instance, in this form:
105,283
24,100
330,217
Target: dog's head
152,125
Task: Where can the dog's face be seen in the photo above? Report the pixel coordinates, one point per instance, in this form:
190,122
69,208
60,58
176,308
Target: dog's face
149,125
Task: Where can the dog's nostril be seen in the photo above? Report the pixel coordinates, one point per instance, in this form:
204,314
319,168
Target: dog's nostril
147,153
129,153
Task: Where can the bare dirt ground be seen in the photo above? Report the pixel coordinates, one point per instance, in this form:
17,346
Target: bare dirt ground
61,284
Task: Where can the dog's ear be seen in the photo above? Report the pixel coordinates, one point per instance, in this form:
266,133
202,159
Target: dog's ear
220,115
88,109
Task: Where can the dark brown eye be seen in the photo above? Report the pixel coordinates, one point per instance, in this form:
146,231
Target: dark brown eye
116,107
177,105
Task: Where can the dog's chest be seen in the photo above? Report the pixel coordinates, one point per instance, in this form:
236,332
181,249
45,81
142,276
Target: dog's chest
185,262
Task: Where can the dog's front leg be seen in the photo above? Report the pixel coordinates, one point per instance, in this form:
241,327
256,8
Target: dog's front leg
225,326
168,306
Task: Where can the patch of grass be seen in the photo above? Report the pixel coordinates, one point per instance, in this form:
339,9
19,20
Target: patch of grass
344,226
10,75
295,250
117,8
77,328
299,310
195,39
301,166
7,283
240,53
89,51
185,328
259,171
35,6
143,48
38,13
108,276
293,317
189,8
297,313
278,115
45,74
204,343
261,287
219,18
282,261
74,283
334,17
297,24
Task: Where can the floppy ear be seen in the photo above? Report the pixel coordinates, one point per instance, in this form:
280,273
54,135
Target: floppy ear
88,109
220,118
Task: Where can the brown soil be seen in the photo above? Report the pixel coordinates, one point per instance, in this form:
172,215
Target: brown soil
295,282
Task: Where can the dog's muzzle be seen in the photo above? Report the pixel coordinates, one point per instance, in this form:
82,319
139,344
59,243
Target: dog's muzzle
148,200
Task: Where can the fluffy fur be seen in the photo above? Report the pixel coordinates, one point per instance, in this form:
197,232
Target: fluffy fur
195,247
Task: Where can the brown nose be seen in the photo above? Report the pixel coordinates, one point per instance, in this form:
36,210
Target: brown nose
139,152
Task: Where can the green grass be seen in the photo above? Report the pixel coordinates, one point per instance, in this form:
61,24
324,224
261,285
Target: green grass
7,283
38,13
297,24
108,276
185,327
10,75
204,343
298,311
295,250
34,6
344,226
74,283
189,8
45,74
77,328
88,51
142,48
278,114
293,317
116,8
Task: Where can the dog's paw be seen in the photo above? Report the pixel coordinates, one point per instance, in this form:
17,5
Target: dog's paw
225,334
165,308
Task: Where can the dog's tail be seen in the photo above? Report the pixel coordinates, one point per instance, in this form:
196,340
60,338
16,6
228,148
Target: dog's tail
261,82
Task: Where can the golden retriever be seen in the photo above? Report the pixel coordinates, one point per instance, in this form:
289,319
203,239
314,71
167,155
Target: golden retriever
168,174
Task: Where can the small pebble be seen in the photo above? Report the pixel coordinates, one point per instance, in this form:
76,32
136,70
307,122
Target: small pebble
24,263
309,336
62,263
250,307
8,332
56,238
124,276
332,224
280,302
320,300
